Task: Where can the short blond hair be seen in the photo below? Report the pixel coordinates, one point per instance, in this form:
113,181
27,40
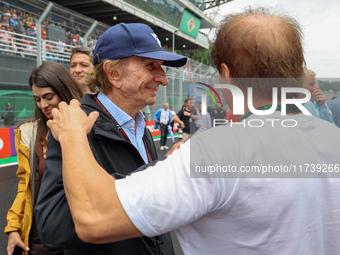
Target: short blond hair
309,72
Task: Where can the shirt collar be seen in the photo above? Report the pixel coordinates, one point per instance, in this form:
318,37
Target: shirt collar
120,116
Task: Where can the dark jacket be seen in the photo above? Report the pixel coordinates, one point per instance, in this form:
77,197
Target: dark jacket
189,123
119,158
8,117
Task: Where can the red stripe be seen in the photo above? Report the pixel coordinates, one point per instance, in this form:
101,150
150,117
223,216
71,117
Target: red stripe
212,90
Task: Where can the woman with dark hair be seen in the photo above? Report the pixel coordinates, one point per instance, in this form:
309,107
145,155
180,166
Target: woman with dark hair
51,83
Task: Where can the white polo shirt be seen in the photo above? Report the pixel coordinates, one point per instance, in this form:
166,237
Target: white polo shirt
231,214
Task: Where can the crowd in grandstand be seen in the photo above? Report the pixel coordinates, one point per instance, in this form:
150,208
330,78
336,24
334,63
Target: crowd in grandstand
18,28
23,20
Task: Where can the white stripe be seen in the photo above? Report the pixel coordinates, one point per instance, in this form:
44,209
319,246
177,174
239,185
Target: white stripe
8,164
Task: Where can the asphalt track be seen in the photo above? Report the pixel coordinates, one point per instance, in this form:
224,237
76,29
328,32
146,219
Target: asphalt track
8,190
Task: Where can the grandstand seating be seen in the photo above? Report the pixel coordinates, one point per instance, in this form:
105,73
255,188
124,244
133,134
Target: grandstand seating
24,19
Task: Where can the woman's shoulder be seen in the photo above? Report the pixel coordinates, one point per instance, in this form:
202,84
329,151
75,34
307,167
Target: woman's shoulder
26,131
28,126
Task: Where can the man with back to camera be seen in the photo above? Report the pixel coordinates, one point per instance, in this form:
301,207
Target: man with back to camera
80,65
127,72
274,213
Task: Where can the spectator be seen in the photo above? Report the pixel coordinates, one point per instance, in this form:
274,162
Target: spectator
317,106
187,117
11,42
232,215
68,37
5,21
90,41
4,40
31,48
334,106
43,33
75,38
81,40
204,121
31,31
13,22
173,113
21,26
8,116
81,64
218,114
61,48
49,51
29,21
164,118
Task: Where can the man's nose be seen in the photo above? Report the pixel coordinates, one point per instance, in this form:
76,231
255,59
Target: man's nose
78,69
161,77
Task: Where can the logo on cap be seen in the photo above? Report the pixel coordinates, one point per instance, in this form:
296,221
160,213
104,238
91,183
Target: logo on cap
156,38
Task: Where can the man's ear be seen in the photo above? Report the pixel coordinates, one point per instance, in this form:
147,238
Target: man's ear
112,74
225,71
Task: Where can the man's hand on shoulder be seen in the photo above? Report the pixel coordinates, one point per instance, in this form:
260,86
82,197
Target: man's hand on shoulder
71,120
176,146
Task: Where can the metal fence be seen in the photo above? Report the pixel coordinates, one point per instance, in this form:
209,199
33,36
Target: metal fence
41,48
179,78
26,47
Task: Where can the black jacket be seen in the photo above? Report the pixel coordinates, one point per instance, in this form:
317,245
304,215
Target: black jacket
119,158
8,117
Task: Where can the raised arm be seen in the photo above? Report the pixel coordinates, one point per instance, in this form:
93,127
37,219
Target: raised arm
177,119
89,189
194,116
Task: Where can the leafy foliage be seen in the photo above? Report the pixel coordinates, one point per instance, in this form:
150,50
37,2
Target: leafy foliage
202,56
326,85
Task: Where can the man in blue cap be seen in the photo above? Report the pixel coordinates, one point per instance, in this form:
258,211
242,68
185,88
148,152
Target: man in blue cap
127,73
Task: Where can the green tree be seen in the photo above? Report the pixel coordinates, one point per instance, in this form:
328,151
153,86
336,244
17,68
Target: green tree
326,85
203,56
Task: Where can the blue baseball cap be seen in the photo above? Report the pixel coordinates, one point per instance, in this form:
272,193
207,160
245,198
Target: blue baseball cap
133,39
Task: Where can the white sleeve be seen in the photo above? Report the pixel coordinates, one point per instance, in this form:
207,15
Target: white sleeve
164,197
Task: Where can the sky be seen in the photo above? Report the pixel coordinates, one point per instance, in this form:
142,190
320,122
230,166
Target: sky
320,22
